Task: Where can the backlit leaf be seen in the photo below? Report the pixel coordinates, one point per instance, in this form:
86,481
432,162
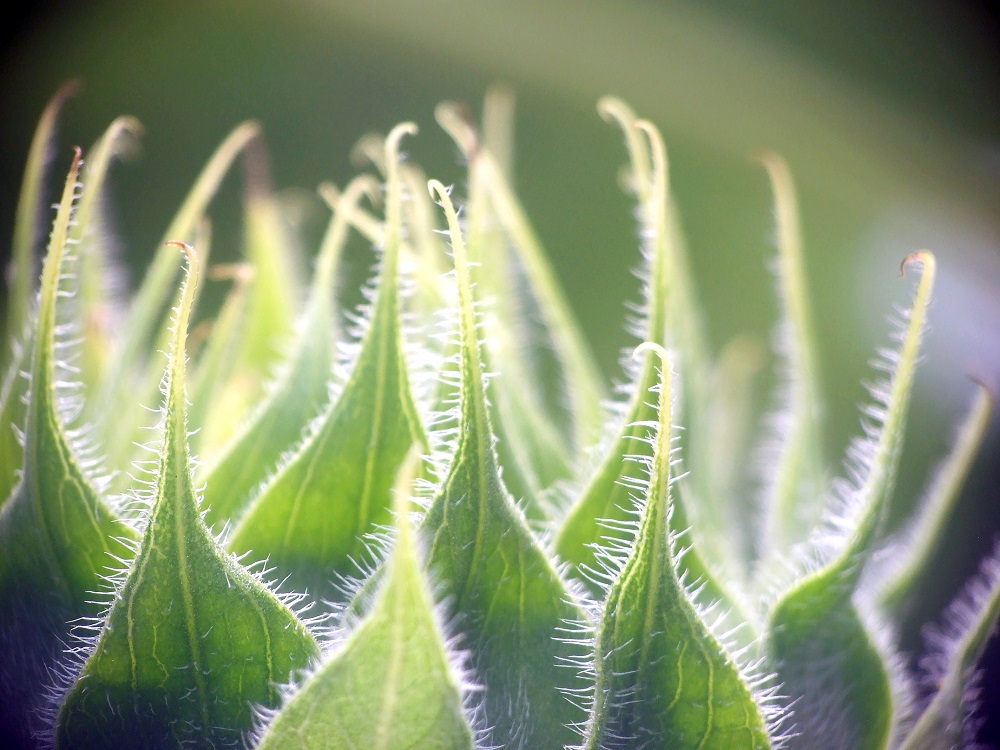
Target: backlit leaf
512,606
546,400
58,537
299,392
818,643
948,722
30,221
131,376
663,678
192,641
604,505
914,552
21,276
391,685
794,476
310,519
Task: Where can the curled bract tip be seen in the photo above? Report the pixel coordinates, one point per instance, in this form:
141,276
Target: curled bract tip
651,346
395,136
454,119
437,190
188,250
923,257
988,391
613,108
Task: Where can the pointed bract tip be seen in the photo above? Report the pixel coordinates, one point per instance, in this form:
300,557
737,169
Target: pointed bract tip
395,136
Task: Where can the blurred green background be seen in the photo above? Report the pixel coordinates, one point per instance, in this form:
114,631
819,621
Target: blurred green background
886,111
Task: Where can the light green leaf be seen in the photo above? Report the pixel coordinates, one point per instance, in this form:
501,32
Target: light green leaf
663,678
949,722
817,642
58,537
392,685
546,403
271,249
300,390
100,304
21,276
794,483
192,641
29,223
116,410
217,393
916,548
309,521
512,607
596,517
13,409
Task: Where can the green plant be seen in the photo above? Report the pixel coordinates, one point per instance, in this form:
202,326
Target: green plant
480,560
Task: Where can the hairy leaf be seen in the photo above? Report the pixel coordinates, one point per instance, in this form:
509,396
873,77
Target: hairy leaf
604,506
298,394
663,678
794,475
948,722
58,537
21,275
131,375
100,297
392,684
311,518
512,607
30,221
817,642
192,641
546,404
915,550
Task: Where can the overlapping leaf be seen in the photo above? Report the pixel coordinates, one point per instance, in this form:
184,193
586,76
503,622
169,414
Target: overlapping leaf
131,376
818,643
914,552
311,518
949,721
546,403
604,505
28,232
794,477
512,607
298,394
392,685
192,641
663,678
58,536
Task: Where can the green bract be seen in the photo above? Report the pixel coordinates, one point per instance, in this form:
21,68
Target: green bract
423,523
